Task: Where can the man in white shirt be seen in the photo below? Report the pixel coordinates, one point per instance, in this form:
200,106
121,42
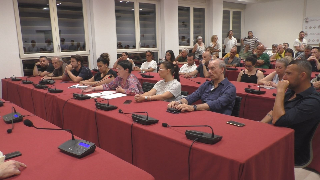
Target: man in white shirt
148,66
300,44
190,66
229,42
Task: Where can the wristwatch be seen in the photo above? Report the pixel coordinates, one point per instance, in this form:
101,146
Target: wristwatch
146,97
194,107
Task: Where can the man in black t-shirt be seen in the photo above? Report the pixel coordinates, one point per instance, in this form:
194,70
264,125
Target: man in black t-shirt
45,67
75,71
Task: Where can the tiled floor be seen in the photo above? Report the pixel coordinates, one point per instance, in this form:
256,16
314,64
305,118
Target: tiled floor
302,174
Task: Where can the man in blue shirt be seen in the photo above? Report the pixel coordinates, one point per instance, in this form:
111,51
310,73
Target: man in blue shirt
75,71
217,95
297,108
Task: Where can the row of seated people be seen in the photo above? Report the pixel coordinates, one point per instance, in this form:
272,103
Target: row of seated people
295,107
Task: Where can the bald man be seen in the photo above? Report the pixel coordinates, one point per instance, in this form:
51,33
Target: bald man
217,95
202,68
263,58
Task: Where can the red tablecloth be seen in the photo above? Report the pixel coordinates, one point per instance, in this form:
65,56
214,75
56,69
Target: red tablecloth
256,150
45,161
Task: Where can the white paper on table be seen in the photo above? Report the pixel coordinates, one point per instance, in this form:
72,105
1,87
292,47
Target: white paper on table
94,95
113,96
78,86
2,157
104,93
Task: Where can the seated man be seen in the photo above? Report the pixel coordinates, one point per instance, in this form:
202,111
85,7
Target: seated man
59,68
228,54
232,61
306,54
314,59
280,53
190,66
45,67
202,68
263,58
217,95
125,82
10,168
75,71
149,66
182,57
244,53
298,108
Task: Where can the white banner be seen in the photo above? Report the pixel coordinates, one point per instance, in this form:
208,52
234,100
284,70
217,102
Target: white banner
311,27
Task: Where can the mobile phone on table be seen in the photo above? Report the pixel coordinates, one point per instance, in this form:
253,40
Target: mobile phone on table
127,102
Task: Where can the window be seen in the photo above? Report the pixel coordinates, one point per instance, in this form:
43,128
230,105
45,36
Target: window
51,27
232,21
191,23
137,24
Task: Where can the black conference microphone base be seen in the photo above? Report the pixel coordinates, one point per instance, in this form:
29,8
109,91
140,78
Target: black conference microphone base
77,148
80,96
27,82
55,90
144,120
203,137
105,107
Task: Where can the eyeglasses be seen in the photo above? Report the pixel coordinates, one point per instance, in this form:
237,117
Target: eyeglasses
160,69
248,66
148,55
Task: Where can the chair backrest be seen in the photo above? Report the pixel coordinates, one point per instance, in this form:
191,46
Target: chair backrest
236,107
146,86
306,159
184,93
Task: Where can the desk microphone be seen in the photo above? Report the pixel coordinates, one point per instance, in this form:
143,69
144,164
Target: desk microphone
55,90
27,81
202,137
141,119
103,106
74,147
14,112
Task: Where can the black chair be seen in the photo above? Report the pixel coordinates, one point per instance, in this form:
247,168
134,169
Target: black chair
236,107
146,86
184,93
303,160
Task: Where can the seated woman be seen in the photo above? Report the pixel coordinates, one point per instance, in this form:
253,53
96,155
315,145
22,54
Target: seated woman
170,57
124,57
276,76
125,83
168,89
251,74
105,75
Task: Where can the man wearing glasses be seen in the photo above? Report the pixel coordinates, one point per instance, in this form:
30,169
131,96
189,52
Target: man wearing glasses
149,66
217,95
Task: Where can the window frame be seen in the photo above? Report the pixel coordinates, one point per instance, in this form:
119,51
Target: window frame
192,6
231,19
55,33
138,48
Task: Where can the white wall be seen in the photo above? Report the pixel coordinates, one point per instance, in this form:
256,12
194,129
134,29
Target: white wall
312,8
104,36
169,27
214,23
10,63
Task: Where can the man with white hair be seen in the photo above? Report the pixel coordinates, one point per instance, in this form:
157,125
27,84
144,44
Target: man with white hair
217,95
59,67
182,57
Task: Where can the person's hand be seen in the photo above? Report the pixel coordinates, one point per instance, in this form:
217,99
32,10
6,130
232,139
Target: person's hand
312,58
273,84
316,84
187,75
136,68
139,98
82,83
173,104
282,85
45,77
268,83
120,90
184,107
69,67
88,89
37,64
10,168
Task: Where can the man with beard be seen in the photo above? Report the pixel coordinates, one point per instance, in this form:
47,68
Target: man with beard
59,68
297,108
75,71
45,67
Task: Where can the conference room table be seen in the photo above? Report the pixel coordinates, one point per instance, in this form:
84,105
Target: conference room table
255,151
39,149
253,106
